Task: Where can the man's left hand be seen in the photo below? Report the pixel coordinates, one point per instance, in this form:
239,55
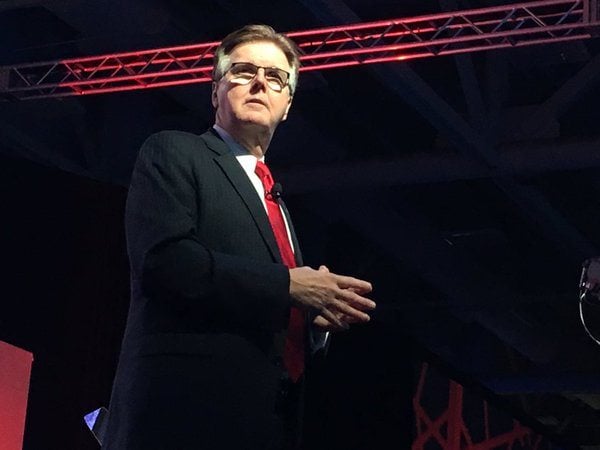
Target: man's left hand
320,323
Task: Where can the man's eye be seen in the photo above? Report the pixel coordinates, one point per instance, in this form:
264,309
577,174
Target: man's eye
275,80
274,76
243,71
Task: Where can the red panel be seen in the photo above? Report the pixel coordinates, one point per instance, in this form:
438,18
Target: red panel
15,369
451,429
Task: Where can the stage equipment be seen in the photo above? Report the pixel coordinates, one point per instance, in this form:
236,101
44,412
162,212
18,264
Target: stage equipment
447,33
97,421
589,290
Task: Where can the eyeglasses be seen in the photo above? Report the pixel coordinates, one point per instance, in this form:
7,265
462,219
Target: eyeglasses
244,72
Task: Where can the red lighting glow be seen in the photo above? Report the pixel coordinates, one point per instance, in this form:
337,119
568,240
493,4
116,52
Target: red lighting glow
402,39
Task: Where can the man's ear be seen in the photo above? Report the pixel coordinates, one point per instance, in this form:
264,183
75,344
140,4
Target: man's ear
287,109
213,95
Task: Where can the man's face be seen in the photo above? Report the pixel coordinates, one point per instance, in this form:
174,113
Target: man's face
254,104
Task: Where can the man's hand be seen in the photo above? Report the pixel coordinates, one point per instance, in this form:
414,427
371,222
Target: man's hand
337,299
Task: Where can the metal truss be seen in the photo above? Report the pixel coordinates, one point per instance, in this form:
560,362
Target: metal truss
513,25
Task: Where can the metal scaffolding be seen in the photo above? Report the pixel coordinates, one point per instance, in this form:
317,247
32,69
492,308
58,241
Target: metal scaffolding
513,25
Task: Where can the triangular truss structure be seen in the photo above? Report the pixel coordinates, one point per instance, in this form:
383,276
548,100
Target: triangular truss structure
402,39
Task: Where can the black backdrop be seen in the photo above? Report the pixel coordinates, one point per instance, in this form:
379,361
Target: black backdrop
65,298
64,294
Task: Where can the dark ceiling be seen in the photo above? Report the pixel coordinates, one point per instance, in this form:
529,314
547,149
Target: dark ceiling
468,186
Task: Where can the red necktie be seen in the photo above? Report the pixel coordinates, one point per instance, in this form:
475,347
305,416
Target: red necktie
293,354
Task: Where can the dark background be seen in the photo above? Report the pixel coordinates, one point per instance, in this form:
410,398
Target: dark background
386,170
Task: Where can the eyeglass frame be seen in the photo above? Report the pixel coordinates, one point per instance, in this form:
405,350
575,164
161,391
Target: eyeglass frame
245,83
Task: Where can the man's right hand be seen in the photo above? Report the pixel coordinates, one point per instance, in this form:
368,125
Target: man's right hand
336,298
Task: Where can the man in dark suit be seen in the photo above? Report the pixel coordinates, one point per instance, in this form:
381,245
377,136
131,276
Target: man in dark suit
221,306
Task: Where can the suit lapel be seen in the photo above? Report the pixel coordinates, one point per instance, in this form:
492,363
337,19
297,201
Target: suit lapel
240,182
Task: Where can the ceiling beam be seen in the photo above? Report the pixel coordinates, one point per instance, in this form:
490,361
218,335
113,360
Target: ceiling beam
407,85
517,160
544,118
468,80
575,88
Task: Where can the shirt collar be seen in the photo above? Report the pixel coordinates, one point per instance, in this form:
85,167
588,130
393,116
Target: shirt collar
234,146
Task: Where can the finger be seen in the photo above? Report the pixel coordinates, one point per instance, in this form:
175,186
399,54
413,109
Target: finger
360,286
345,309
322,323
363,290
358,291
355,300
347,319
323,269
334,319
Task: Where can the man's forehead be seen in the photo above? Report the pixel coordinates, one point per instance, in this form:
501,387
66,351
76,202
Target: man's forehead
264,53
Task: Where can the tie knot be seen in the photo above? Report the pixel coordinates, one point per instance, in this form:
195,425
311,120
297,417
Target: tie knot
264,174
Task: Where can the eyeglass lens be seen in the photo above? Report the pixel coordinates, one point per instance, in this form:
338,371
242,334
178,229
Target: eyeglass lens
243,73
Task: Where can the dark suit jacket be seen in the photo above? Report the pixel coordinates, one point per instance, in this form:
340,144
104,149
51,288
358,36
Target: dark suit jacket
200,365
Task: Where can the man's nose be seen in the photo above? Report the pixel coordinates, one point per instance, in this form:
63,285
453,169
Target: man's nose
259,79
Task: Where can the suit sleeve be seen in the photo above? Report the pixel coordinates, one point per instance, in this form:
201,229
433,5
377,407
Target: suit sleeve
173,265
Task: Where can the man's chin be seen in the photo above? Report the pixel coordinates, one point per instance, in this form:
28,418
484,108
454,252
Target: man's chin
255,123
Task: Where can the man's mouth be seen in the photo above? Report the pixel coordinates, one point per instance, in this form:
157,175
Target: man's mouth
257,101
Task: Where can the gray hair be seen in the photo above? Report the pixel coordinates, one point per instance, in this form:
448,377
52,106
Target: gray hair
256,33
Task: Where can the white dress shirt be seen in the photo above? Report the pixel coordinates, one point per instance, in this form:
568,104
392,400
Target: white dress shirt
248,163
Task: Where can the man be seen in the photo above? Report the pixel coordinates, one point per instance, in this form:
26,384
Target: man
221,307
